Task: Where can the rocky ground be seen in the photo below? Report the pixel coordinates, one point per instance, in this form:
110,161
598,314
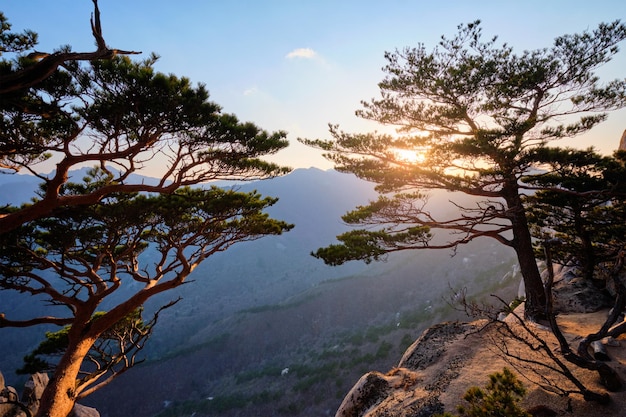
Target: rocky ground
439,367
448,358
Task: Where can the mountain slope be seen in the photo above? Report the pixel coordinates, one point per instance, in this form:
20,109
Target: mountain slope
267,305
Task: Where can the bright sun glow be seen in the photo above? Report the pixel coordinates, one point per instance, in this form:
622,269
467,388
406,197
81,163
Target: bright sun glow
410,156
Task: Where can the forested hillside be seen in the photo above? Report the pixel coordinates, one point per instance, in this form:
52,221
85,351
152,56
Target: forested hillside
265,306
269,305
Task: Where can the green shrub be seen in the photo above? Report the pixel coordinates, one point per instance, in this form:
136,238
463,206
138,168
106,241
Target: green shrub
500,398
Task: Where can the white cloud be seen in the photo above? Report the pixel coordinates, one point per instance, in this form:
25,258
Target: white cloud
250,91
306,53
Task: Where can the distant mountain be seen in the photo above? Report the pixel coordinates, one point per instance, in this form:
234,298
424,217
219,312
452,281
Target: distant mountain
274,268
16,189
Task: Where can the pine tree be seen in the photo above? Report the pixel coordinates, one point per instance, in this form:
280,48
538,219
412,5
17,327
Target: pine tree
470,118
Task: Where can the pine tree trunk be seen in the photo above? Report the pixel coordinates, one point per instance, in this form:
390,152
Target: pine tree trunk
59,396
535,306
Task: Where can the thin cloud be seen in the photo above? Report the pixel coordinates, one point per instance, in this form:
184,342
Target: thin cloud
250,91
306,53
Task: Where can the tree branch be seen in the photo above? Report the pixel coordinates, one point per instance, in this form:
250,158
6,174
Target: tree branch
4,322
46,66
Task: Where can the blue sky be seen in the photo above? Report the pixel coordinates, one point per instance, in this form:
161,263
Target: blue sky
298,65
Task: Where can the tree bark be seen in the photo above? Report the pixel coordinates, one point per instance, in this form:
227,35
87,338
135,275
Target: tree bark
59,397
535,306
62,392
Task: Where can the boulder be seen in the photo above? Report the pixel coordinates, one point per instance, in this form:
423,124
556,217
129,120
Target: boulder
9,394
33,388
370,390
573,294
84,411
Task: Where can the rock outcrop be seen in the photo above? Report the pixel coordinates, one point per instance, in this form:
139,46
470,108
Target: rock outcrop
448,358
33,389
12,405
573,294
414,387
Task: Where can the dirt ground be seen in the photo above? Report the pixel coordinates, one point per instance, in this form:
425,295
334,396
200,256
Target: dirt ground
486,359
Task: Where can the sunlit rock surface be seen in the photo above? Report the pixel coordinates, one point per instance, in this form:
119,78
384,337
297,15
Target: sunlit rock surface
448,358
413,388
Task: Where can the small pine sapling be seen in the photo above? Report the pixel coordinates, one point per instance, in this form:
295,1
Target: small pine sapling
499,398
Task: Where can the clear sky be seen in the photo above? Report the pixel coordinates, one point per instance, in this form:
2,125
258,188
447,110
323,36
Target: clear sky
298,65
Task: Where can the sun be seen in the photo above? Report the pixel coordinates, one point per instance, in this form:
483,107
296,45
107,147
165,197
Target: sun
410,156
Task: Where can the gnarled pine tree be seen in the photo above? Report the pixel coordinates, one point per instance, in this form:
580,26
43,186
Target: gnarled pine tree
473,114
80,241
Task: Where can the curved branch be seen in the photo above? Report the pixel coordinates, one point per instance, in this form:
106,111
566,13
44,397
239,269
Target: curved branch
127,356
4,322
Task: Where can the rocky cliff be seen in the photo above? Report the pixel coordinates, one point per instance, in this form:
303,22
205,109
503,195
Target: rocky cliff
448,358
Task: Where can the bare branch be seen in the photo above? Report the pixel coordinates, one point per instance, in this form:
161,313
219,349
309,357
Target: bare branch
49,63
4,322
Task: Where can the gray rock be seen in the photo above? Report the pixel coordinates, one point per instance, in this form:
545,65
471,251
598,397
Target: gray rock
429,347
9,410
371,389
573,294
33,389
84,411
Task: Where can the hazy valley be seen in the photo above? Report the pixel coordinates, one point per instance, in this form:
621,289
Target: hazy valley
266,329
